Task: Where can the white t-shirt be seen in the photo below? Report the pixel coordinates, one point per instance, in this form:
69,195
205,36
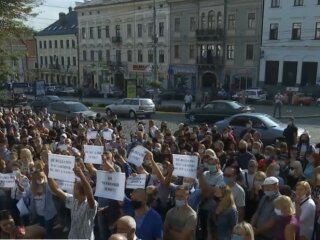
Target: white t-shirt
214,179
306,219
239,195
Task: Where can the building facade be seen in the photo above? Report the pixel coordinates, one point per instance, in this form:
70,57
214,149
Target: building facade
291,43
57,50
116,42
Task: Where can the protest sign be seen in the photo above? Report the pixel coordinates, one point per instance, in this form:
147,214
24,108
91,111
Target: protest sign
93,154
107,135
66,186
110,185
92,134
137,155
7,180
61,167
137,181
185,165
62,147
23,209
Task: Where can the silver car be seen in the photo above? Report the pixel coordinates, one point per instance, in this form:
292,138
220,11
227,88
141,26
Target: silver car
132,107
270,128
70,109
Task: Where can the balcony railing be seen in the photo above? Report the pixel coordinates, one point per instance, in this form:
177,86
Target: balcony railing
117,39
209,34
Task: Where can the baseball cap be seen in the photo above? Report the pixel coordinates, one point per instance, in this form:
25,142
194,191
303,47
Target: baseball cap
270,181
64,135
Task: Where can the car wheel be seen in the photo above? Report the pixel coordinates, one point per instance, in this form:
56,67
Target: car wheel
109,112
192,118
132,114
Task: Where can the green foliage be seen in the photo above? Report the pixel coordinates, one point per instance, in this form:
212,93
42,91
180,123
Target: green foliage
155,84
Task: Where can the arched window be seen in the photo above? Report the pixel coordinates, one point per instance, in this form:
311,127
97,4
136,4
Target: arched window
219,20
203,21
211,20
219,51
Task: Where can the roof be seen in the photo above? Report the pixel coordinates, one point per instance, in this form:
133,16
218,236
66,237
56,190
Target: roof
66,24
100,3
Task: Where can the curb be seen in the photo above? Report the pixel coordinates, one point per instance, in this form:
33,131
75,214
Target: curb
300,117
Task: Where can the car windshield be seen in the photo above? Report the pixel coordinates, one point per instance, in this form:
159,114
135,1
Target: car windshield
77,107
146,102
270,121
54,98
236,105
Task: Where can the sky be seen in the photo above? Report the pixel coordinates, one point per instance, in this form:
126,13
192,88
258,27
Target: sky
48,13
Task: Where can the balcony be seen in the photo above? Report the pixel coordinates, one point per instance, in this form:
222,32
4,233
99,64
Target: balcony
210,63
209,34
117,39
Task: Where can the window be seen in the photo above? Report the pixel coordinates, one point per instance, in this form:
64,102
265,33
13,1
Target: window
40,44
50,44
150,56
219,20
51,60
118,33
176,51
107,32
44,44
41,60
273,31
317,35
140,56
62,61
191,51
68,43
61,43
231,21
161,56
83,33
107,55
139,30
249,52
73,44
118,56
192,24
99,32
100,55
150,29
177,25
296,31
298,2
251,20
46,60
91,32
55,43
84,55
74,61
230,52
92,55
211,19
203,21
129,31
275,3
68,61
161,29
129,55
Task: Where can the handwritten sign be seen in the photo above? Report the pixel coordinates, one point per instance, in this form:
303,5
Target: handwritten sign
138,181
7,180
93,154
92,134
137,155
61,167
110,185
66,186
107,135
185,165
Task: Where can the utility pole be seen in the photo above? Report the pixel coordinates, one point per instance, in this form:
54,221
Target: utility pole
155,42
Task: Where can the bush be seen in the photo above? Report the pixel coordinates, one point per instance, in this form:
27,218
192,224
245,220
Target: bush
88,104
169,109
101,105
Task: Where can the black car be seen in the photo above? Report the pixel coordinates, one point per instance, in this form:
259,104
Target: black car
43,101
217,110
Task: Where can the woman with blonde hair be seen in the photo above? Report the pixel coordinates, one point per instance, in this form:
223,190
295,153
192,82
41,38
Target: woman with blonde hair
243,231
224,216
273,170
295,174
288,227
26,161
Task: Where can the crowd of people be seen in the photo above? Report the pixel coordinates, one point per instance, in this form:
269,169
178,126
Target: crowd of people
243,189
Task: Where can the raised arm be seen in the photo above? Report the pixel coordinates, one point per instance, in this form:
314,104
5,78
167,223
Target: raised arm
86,186
54,186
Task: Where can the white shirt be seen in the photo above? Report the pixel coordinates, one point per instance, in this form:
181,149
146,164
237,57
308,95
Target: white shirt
153,130
214,179
239,195
16,194
247,179
188,98
306,219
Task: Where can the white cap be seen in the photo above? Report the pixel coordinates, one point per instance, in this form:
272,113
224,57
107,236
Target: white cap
63,135
270,181
62,126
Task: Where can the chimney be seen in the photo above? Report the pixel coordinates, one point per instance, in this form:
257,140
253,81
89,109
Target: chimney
62,18
70,9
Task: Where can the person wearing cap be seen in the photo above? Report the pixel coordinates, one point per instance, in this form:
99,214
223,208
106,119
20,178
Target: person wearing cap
264,219
291,132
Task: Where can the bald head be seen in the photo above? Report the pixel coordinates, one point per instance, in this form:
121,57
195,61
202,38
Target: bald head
117,237
127,225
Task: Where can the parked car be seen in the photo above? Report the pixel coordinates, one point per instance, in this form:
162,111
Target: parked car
299,98
115,93
132,107
270,128
251,95
217,110
43,101
70,109
318,102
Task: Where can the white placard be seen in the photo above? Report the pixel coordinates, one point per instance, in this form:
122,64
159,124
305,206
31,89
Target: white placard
185,165
62,147
22,208
107,135
110,185
138,181
66,186
61,167
92,134
93,154
7,180
137,155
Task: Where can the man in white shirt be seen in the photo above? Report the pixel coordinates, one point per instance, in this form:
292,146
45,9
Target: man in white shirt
277,104
127,225
152,129
188,101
